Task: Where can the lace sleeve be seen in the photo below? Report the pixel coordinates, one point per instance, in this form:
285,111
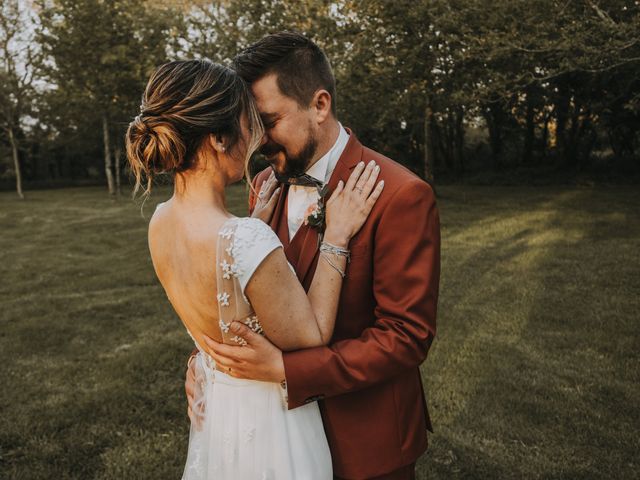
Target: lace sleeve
253,241
242,246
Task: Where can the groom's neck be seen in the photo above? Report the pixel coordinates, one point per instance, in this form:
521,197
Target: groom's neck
329,132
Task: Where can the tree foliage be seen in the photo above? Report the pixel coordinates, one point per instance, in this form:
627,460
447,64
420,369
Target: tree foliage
447,87
100,53
18,58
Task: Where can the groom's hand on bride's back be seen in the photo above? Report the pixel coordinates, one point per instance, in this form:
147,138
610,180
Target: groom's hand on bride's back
258,360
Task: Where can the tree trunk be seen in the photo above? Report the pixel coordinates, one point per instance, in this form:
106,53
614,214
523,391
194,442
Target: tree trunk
573,135
108,161
529,134
493,118
117,153
562,118
448,140
428,142
16,163
544,141
459,140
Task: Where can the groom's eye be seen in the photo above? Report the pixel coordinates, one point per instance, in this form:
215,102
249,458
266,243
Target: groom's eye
269,121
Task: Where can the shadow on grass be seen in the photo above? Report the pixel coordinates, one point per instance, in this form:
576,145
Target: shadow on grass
522,383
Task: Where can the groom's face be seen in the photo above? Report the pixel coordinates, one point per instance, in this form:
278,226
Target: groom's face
290,140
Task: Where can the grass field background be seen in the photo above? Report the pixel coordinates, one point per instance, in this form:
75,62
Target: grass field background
534,372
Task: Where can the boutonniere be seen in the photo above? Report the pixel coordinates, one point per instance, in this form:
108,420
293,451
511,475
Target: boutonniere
315,213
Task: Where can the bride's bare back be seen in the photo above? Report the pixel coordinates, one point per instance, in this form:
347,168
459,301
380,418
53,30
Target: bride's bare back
183,250
183,239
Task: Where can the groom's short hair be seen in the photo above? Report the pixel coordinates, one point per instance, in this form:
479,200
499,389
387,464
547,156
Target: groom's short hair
301,66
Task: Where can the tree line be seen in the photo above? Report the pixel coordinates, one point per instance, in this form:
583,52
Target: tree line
449,88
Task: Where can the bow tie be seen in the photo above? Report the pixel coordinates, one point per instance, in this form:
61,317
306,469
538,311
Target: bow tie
303,180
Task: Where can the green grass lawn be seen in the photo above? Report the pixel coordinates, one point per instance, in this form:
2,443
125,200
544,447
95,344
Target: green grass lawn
534,372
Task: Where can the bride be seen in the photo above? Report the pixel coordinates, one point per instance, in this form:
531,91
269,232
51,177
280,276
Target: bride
199,123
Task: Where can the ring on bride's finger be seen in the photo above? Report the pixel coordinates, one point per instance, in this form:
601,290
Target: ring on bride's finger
359,189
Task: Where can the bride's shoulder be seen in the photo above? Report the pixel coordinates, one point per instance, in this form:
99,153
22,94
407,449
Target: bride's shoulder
158,214
251,237
253,227
248,241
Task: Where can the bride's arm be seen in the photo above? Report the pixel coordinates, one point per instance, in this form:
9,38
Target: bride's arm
290,318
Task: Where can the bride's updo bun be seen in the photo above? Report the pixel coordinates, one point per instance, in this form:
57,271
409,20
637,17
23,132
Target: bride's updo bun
156,145
183,103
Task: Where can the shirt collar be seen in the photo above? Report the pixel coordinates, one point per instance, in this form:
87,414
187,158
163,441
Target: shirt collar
323,168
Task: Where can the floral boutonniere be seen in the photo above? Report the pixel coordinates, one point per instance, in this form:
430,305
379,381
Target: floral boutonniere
315,214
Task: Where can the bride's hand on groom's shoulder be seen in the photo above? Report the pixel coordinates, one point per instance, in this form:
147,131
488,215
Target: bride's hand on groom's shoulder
259,359
350,203
266,199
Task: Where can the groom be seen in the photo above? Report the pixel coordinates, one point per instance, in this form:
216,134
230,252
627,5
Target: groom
367,381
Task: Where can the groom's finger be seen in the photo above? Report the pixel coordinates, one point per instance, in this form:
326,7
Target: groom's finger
225,352
223,364
221,353
245,332
221,360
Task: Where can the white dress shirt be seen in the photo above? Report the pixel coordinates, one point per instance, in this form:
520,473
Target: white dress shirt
301,198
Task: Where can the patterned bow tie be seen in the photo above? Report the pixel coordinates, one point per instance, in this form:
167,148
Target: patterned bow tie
303,180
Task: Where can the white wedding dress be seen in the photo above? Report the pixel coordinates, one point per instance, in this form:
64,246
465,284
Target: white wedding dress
242,428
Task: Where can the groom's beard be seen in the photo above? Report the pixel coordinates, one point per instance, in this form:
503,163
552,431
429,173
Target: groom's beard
294,165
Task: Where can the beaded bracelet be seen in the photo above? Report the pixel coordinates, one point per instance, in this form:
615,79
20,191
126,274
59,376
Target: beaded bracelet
335,267
326,247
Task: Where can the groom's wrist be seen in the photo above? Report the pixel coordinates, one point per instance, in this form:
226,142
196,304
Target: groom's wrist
278,371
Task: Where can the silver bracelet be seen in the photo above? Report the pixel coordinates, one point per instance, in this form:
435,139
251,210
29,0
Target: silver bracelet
326,247
335,267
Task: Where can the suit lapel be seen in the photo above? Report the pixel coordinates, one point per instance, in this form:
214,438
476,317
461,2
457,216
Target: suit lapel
309,245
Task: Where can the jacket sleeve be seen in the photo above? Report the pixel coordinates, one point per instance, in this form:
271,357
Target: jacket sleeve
406,277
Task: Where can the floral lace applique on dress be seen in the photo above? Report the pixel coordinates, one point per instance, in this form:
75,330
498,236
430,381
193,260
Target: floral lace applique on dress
242,246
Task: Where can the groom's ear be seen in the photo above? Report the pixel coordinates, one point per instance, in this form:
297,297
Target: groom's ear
321,102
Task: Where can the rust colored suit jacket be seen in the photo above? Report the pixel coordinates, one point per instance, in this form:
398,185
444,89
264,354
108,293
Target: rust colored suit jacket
368,380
